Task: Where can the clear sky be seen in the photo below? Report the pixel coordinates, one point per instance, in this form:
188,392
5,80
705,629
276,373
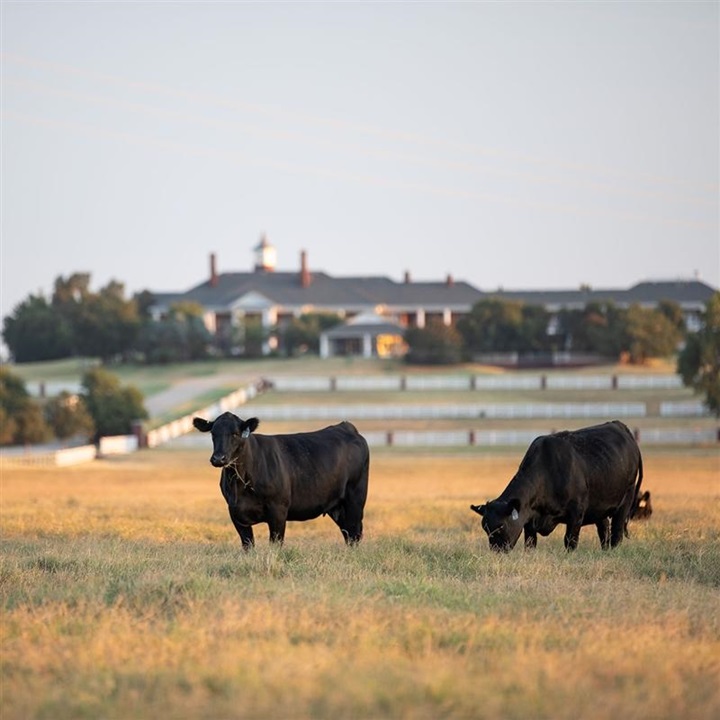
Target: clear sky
523,145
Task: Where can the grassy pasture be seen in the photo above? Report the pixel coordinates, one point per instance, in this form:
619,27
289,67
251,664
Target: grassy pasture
125,594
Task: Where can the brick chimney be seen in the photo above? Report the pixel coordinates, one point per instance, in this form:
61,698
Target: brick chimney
450,281
213,270
407,277
305,278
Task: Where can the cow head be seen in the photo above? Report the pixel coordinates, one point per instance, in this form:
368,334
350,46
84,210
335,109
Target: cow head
642,509
501,521
229,435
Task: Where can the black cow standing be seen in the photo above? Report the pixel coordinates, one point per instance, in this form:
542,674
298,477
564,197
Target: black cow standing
276,478
579,477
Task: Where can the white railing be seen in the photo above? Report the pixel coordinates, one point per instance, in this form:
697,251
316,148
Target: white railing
448,412
512,438
421,383
184,425
117,445
50,458
689,408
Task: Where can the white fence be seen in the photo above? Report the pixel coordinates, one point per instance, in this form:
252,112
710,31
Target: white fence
511,438
32,457
184,425
421,383
690,408
117,445
51,457
448,412
492,438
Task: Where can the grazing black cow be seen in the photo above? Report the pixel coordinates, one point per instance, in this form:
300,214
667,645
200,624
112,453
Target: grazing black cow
579,477
276,478
642,507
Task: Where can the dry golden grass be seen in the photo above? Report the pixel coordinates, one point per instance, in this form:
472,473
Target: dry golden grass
125,594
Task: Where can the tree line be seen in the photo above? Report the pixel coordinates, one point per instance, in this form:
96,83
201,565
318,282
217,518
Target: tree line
103,407
79,322
502,326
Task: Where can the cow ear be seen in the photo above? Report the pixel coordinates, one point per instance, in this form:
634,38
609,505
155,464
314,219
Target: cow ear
202,425
479,509
249,426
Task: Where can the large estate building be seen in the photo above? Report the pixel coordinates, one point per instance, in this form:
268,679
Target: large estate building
377,309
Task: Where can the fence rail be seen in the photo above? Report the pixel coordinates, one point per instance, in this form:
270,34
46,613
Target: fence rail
449,411
496,438
420,383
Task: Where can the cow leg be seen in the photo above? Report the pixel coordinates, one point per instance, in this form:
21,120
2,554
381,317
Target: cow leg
244,531
620,519
618,526
603,531
530,537
574,523
276,523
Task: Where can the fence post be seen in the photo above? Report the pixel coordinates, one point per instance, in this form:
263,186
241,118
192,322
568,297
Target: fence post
543,382
471,438
389,438
139,432
636,433
614,382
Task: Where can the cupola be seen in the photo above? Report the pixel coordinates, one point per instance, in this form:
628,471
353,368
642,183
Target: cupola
265,256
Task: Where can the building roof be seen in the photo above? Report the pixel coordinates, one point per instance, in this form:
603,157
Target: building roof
684,292
362,325
286,289
265,288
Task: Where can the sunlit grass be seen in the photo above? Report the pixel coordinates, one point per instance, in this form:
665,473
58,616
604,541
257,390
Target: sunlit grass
125,594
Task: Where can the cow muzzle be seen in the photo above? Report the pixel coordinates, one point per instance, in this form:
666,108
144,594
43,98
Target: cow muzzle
219,461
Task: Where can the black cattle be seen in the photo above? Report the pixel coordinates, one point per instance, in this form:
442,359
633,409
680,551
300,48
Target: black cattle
576,478
642,507
276,478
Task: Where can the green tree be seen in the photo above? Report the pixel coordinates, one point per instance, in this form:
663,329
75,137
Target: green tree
598,328
435,344
493,325
179,337
68,416
649,333
21,419
496,325
35,331
254,336
105,324
113,408
302,334
673,312
699,361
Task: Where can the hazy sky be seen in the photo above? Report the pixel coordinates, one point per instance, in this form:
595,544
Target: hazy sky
513,144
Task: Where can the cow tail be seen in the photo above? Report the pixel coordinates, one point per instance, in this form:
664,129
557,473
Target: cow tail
639,479
636,495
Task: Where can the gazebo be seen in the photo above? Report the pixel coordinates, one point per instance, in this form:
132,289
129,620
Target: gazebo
366,335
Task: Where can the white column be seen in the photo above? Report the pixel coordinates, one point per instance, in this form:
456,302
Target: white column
420,315
367,345
324,346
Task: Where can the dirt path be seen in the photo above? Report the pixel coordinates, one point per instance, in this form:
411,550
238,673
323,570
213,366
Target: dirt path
185,390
